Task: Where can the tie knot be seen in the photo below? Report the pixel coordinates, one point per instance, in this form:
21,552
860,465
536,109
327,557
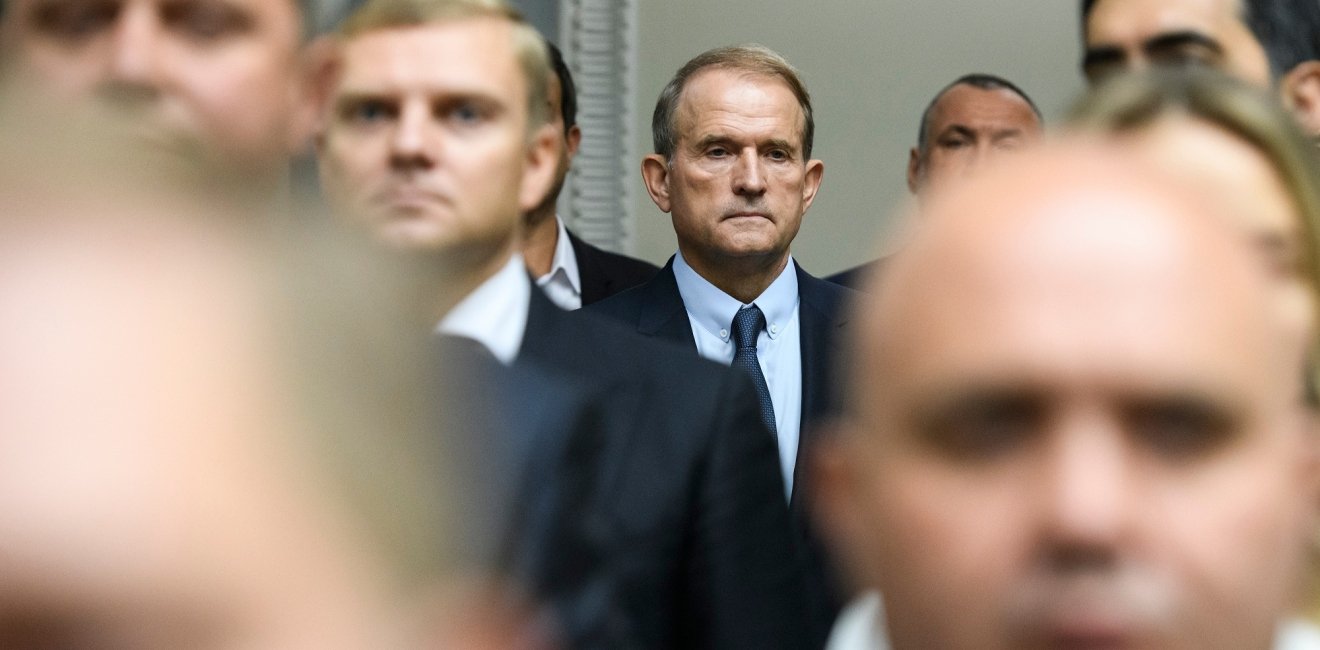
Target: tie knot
747,326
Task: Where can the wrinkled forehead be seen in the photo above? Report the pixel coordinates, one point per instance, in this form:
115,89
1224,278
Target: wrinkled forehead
712,96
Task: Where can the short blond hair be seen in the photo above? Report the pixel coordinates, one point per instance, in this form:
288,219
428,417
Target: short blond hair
528,45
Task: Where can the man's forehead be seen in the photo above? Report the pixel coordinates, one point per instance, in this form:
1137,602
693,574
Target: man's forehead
458,55
1144,19
966,100
717,92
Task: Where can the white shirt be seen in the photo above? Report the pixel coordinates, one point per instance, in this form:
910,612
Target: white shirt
778,347
495,313
861,626
563,284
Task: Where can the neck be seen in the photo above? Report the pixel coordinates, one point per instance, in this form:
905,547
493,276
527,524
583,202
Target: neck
540,238
744,278
456,276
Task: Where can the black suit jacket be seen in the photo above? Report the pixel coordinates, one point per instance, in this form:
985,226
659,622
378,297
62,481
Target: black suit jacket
604,274
655,309
699,548
854,278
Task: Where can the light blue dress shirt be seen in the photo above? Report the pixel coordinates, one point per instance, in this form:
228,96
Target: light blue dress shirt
778,348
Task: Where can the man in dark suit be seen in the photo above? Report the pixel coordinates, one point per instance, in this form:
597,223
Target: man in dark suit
571,271
733,167
969,122
673,531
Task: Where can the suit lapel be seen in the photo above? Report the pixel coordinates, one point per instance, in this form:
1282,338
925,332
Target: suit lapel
662,313
820,317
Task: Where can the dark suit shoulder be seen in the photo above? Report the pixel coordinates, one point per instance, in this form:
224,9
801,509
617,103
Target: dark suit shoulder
604,273
855,277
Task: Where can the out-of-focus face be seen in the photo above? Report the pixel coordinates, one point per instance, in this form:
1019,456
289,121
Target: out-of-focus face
426,140
150,491
738,184
1239,178
1084,433
1135,34
223,74
968,127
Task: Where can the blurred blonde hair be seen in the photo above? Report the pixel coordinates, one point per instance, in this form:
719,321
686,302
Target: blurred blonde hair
1129,103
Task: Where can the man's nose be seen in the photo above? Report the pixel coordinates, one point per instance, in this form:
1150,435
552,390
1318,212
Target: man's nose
136,58
748,176
1086,493
411,142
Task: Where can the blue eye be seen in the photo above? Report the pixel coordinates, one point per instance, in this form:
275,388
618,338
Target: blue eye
367,112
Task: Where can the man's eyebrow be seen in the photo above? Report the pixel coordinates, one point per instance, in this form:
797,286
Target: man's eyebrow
957,129
709,140
1175,40
1102,55
776,143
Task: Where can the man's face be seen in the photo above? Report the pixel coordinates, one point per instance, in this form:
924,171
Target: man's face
738,184
1135,34
969,126
434,156
223,73
1060,449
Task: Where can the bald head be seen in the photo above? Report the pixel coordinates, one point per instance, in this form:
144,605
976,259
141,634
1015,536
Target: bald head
1076,418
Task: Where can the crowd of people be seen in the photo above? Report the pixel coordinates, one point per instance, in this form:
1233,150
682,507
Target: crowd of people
295,350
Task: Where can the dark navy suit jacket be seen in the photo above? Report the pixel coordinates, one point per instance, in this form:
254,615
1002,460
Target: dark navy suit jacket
655,309
603,273
667,525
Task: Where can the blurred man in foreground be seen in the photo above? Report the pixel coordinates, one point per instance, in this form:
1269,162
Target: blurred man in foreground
220,77
1077,420
971,121
185,462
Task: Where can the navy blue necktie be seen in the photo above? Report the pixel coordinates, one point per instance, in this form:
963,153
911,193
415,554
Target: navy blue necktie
747,326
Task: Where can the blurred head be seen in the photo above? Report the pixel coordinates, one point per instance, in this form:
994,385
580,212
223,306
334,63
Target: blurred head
968,123
1074,421
184,460
222,75
1238,148
438,158
561,95
732,163
1268,43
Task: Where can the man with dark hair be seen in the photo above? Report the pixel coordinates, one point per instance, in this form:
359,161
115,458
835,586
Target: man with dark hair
968,122
1271,43
733,167
572,272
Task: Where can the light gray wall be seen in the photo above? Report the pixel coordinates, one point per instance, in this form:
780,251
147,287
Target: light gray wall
871,67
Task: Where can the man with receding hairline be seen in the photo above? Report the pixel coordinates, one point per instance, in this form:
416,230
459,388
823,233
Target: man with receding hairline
970,122
733,132
1076,419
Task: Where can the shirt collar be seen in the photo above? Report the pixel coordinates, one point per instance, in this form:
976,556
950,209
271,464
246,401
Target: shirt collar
565,261
495,313
714,310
